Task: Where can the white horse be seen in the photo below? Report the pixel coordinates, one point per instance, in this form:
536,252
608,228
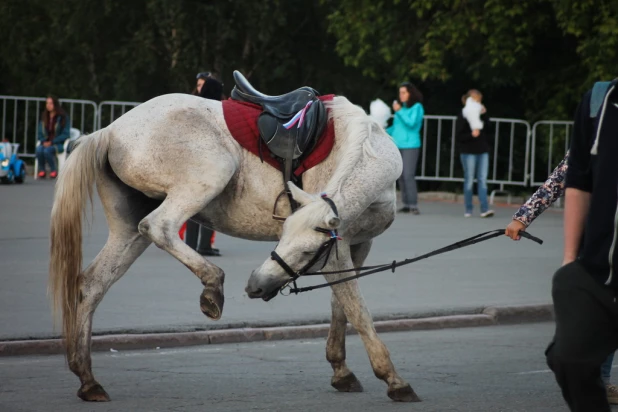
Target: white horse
172,159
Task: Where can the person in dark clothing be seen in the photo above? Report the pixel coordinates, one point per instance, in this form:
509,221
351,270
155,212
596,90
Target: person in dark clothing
474,153
585,288
211,89
198,237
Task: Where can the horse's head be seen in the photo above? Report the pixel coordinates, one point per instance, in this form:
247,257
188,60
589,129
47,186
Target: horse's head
309,235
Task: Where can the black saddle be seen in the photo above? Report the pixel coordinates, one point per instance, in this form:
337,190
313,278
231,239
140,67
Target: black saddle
290,124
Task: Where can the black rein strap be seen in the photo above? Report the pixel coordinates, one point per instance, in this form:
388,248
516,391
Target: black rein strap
394,265
323,251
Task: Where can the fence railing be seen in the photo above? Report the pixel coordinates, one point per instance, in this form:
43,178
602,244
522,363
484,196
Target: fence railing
550,142
443,139
110,110
521,155
510,148
21,117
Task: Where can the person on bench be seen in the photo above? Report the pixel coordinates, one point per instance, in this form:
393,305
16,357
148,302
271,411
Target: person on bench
54,129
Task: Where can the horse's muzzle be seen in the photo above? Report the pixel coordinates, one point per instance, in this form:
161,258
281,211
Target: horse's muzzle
265,292
271,295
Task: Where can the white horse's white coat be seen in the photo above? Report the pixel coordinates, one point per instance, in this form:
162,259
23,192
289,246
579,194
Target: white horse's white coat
172,159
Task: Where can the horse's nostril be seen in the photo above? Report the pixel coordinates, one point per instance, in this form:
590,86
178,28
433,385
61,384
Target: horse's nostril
257,292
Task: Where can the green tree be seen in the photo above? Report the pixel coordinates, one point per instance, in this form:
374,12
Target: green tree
140,49
547,52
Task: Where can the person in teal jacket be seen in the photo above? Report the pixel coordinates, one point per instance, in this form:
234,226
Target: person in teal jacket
54,128
406,132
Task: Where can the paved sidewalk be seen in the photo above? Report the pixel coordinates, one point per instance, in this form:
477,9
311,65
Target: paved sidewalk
160,294
493,369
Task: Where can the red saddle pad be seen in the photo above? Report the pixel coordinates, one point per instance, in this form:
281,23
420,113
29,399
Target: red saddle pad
241,119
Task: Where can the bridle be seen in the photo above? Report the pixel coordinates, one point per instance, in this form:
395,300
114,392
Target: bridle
326,248
323,251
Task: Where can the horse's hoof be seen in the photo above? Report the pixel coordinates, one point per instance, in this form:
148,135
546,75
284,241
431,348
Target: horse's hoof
403,394
93,393
211,303
348,383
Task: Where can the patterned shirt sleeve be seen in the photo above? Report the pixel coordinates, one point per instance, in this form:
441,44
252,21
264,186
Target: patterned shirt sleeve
545,196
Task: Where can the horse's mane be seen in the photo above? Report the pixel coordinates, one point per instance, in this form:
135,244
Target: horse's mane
356,130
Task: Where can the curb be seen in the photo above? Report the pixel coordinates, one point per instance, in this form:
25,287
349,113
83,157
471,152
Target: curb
490,316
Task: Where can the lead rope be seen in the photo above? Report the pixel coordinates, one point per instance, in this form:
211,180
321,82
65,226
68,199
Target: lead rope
394,265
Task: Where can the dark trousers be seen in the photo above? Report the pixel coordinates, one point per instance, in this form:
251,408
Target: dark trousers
191,236
407,180
586,333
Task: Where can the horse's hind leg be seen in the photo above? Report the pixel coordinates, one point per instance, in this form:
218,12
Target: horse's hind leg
124,207
350,298
343,379
119,253
162,225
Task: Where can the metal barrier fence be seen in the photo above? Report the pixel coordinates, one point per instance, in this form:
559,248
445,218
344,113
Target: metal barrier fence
550,142
439,150
521,155
110,110
21,116
509,157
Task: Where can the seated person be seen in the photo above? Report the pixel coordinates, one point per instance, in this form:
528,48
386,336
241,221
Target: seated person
54,129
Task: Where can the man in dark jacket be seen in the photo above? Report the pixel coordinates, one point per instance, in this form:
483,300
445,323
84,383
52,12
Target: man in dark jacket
585,288
209,88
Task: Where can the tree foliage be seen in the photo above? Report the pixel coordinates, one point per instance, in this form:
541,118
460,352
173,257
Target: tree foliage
546,51
134,50
531,58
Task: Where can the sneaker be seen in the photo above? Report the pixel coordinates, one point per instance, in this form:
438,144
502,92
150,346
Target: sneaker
415,211
53,174
612,394
41,174
489,213
404,209
467,214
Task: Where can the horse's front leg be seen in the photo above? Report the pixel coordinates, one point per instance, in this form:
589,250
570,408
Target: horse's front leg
349,296
161,227
343,379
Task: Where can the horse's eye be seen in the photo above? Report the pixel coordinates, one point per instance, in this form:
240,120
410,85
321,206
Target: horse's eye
309,253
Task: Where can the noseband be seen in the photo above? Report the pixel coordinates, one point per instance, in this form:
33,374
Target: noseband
323,251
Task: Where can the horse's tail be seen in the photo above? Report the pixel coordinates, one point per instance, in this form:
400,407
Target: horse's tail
73,189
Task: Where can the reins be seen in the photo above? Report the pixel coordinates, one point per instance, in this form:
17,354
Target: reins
370,270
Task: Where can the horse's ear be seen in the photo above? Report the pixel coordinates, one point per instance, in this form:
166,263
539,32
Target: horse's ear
300,195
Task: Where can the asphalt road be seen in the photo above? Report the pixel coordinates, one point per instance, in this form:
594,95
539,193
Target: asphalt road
160,294
491,369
